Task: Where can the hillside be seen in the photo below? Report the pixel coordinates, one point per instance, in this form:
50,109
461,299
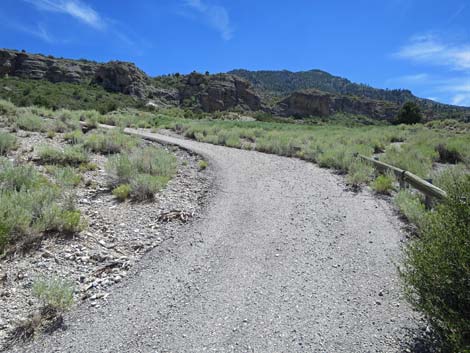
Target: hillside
55,83
283,83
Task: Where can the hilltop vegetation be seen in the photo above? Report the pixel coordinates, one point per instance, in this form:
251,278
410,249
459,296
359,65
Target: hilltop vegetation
27,92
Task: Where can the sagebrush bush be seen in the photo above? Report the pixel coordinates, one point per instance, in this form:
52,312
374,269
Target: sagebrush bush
19,177
411,206
202,165
359,173
122,192
383,184
74,137
7,108
436,271
7,143
145,170
145,186
31,204
71,155
65,176
29,122
107,142
54,292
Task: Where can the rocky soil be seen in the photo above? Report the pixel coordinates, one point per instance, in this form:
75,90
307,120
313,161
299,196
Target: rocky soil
117,236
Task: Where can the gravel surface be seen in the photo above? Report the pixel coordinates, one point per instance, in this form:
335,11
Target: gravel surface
284,259
117,236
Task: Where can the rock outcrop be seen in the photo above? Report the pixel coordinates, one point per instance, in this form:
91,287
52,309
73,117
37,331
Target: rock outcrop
115,76
208,93
218,92
123,77
317,103
35,66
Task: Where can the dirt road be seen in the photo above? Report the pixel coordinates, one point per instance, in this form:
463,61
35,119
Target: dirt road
283,260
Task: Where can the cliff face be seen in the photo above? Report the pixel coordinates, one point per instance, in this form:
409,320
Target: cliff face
114,76
317,103
209,93
33,66
219,92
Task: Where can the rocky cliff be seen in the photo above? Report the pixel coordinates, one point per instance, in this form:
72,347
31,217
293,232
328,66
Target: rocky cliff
208,93
114,76
317,103
218,92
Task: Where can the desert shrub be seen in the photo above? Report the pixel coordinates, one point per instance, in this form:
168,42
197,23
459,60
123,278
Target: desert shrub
54,292
87,166
7,108
122,192
120,169
74,137
65,176
202,165
24,212
7,143
145,170
383,184
411,206
410,113
145,186
436,269
338,158
19,177
412,158
359,173
29,122
111,141
74,155
448,155
71,222
448,177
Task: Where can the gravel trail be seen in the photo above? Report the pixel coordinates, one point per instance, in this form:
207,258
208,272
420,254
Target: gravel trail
283,260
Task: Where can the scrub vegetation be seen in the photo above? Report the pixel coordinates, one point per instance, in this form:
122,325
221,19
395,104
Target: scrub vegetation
435,270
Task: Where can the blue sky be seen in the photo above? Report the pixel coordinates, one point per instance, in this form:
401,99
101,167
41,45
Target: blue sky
415,44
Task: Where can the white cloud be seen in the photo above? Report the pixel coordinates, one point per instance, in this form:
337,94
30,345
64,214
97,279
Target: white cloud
431,49
461,99
74,8
409,79
216,16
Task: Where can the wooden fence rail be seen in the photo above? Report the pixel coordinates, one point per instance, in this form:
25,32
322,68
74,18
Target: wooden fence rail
404,176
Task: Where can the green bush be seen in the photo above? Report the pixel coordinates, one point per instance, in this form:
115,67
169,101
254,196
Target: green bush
410,206
29,122
122,192
74,155
7,143
383,184
107,142
359,173
410,113
66,176
202,165
19,177
7,108
54,292
74,137
145,186
71,221
146,171
436,271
